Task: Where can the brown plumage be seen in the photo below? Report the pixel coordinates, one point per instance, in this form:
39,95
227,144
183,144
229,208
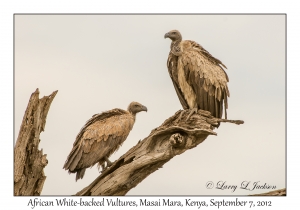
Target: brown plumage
199,79
102,135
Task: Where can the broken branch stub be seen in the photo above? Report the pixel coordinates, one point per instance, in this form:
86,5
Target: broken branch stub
29,161
173,137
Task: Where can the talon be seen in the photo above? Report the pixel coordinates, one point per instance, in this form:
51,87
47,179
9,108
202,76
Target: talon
181,114
192,111
108,164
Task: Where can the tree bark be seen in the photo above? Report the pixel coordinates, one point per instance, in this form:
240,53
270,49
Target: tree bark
29,161
281,192
175,136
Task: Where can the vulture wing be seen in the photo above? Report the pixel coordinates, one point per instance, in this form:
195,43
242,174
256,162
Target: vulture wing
205,75
173,71
102,135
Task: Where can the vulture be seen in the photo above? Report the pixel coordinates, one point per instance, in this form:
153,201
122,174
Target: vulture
199,78
102,135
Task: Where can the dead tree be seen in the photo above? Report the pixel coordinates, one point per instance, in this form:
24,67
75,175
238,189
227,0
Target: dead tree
29,161
173,137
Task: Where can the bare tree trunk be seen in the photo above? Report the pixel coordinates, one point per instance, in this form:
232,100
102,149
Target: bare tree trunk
173,137
29,161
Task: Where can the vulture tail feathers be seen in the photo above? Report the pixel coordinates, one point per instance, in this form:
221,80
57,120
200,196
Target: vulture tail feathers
80,173
225,104
197,90
221,108
211,102
217,109
204,95
73,158
76,160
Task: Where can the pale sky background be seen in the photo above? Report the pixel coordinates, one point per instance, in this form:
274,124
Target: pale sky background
101,62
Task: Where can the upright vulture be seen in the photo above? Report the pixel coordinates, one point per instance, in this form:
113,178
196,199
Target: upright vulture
102,135
199,79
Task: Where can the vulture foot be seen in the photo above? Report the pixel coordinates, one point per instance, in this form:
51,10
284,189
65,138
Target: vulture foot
108,164
103,168
192,111
181,114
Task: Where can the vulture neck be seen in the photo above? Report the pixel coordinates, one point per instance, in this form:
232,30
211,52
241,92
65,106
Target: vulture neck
133,114
175,48
175,43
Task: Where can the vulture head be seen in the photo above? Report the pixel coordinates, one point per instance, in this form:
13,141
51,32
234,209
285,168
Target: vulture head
174,35
135,107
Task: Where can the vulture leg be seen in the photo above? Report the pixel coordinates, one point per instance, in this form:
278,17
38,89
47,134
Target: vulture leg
108,163
103,167
192,111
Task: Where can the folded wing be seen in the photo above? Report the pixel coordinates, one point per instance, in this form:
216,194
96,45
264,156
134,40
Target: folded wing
205,75
102,135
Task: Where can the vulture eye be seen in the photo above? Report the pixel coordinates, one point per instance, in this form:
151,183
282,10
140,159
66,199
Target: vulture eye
136,105
173,32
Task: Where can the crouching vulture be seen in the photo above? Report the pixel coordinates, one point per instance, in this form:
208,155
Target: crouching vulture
199,79
102,135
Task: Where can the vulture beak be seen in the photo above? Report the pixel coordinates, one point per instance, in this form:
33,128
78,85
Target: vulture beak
144,108
166,35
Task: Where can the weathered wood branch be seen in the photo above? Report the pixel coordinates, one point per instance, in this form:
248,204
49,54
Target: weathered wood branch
281,192
29,161
173,137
